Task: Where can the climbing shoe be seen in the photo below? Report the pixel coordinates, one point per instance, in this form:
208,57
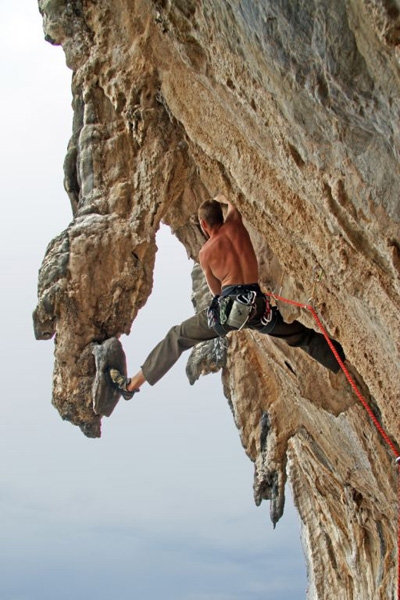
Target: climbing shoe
121,382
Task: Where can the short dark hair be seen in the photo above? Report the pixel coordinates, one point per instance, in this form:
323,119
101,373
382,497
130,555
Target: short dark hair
211,212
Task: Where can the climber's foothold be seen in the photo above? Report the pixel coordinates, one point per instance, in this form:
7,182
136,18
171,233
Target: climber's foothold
105,394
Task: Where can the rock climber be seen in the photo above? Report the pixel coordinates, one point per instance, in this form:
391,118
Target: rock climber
230,266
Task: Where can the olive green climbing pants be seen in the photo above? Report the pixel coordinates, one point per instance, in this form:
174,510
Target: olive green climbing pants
196,330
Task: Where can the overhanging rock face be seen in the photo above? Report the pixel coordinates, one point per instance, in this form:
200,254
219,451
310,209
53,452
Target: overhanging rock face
291,109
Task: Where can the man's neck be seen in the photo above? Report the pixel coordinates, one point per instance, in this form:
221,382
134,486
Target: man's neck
213,232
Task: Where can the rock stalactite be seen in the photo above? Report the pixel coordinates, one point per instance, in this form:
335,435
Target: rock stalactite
291,109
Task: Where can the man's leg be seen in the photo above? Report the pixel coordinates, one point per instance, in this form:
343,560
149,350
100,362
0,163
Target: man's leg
298,335
179,338
136,382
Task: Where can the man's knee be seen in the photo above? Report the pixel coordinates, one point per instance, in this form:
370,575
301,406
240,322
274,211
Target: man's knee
174,333
295,334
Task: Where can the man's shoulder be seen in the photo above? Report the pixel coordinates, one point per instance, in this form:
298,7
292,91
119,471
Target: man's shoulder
204,250
206,247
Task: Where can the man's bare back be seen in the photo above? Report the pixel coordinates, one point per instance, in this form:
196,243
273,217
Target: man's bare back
228,257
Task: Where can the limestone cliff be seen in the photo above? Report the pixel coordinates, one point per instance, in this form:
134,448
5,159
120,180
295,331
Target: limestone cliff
290,107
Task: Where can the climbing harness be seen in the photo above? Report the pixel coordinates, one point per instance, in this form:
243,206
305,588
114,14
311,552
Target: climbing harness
241,309
233,311
364,402
214,316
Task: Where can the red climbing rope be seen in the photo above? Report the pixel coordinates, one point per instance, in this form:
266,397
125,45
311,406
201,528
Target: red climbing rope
344,369
366,406
398,530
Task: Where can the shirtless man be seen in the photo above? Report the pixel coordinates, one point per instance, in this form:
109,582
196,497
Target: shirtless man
230,266
228,257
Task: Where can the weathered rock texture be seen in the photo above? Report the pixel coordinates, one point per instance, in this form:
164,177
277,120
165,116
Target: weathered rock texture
291,108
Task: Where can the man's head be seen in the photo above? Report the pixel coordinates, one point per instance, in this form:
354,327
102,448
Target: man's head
211,212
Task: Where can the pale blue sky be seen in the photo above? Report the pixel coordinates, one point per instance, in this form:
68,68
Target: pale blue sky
161,506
